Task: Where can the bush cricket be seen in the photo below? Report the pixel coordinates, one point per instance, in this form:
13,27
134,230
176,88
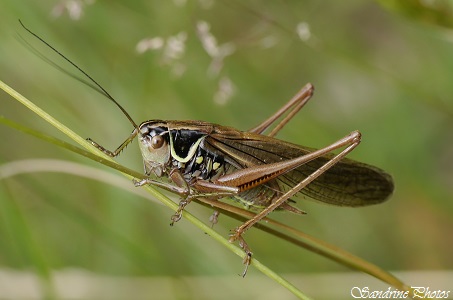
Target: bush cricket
255,169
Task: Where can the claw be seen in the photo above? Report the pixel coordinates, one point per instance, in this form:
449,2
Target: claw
138,183
237,235
176,217
178,214
247,260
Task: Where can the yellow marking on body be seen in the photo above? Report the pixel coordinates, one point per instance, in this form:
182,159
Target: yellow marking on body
199,159
192,149
215,165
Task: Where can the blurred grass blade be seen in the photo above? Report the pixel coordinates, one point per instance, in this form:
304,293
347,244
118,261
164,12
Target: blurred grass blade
24,242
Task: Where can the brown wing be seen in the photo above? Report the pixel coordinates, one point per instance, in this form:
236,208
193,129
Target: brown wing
348,183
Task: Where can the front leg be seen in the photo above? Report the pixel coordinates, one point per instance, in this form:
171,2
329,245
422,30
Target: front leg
188,191
176,176
197,188
180,187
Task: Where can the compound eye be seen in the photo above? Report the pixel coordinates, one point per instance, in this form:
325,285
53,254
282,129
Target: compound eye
157,141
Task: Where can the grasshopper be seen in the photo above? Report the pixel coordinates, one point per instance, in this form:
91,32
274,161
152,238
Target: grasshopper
255,169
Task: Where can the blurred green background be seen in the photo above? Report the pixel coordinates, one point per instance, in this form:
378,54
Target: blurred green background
386,70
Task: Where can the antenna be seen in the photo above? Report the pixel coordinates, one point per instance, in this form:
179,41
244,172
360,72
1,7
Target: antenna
102,90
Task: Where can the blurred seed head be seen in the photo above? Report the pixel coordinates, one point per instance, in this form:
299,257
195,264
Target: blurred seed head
172,48
175,46
74,8
210,45
225,91
205,4
268,41
149,44
303,30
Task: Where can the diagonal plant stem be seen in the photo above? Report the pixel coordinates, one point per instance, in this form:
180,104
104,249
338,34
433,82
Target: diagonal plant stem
97,155
306,241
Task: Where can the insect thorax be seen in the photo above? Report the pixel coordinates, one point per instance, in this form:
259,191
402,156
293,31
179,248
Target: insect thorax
187,150
183,149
